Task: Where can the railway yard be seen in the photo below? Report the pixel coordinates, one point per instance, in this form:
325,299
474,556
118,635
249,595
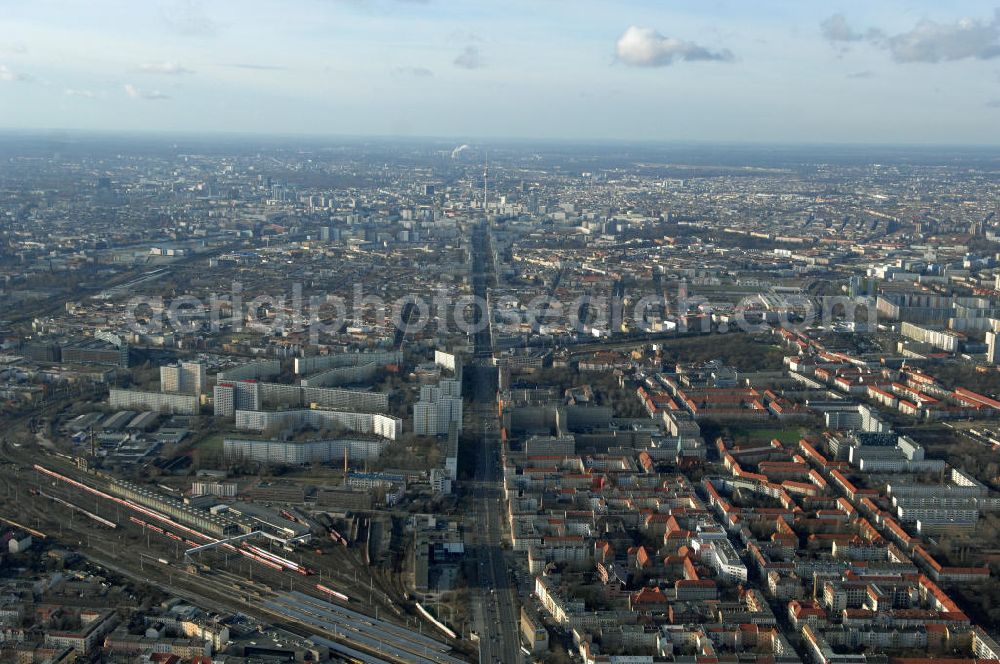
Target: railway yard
328,592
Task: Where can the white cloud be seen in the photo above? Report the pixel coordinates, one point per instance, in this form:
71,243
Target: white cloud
253,66
86,94
13,47
645,47
836,29
418,72
170,68
135,93
9,76
928,41
188,18
937,42
469,58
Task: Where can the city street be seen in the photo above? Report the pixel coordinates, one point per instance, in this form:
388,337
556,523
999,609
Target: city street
496,612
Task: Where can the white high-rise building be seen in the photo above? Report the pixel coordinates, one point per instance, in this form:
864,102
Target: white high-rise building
183,378
224,400
439,406
236,395
992,348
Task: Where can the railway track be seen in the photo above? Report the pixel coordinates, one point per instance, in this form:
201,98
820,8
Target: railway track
21,494
134,546
67,514
163,565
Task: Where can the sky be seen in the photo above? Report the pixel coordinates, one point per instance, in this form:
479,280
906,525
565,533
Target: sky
785,71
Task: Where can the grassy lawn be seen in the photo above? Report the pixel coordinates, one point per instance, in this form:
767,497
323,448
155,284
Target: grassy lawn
212,443
789,436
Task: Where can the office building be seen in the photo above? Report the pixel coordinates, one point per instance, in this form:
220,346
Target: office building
213,488
95,351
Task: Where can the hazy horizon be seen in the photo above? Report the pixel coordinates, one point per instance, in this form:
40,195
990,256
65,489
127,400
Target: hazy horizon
900,73
221,135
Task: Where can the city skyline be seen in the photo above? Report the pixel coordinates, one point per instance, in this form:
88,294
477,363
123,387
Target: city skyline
323,399
535,332
777,72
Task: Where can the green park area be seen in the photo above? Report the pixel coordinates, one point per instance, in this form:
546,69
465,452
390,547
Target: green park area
788,436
